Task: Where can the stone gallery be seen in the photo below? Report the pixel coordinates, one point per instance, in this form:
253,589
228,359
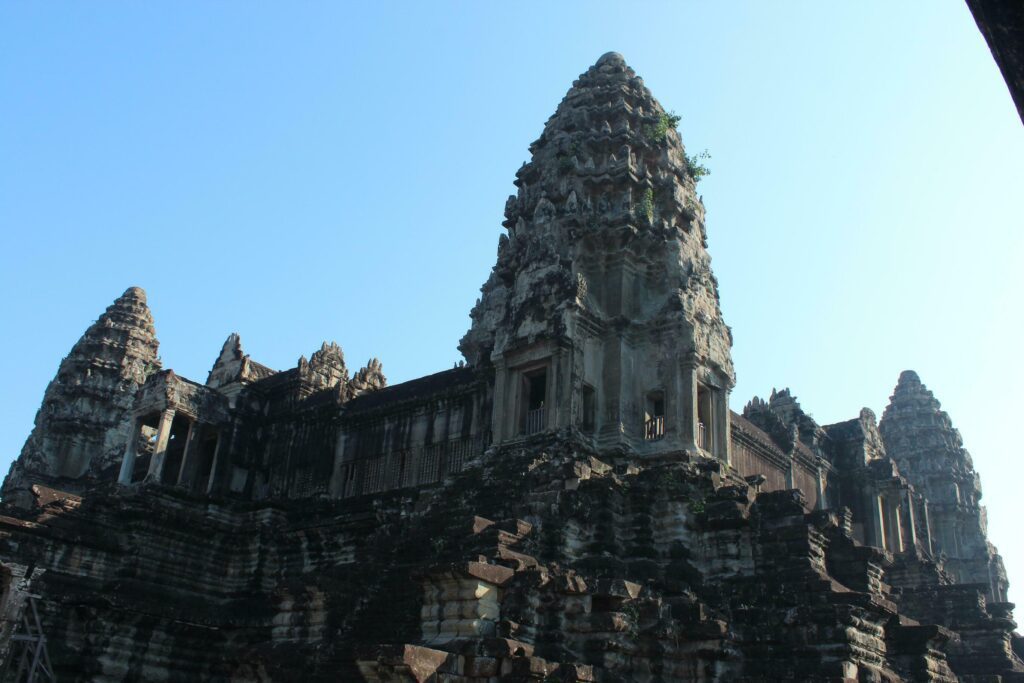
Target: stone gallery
574,502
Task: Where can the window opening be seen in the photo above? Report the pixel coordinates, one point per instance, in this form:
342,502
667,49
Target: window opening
654,416
588,421
704,413
207,450
535,390
175,449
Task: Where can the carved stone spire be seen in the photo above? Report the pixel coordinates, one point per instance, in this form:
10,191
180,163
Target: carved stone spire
83,424
370,377
326,367
234,369
228,366
606,219
920,437
604,282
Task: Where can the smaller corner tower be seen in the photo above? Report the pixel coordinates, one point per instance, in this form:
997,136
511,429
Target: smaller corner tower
84,422
929,452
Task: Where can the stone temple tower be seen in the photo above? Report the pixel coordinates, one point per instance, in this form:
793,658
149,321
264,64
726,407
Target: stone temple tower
83,424
920,437
602,313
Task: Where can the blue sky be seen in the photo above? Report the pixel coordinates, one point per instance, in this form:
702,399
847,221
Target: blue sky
332,171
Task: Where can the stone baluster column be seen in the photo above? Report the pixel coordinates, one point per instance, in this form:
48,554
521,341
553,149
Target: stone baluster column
163,436
190,458
130,452
877,525
219,469
909,519
894,526
820,503
927,526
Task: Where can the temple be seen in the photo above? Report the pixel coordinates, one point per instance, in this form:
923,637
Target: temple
574,502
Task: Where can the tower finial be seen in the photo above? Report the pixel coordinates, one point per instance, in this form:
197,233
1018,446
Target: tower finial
136,293
611,59
909,376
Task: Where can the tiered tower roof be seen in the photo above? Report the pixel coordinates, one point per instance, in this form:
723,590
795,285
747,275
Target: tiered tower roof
77,429
608,175
920,436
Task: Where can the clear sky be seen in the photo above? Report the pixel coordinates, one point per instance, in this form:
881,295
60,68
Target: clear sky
300,172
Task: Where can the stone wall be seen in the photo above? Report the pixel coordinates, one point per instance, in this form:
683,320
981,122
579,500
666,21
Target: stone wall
413,434
542,562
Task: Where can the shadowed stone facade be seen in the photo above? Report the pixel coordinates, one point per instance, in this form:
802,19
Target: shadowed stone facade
575,502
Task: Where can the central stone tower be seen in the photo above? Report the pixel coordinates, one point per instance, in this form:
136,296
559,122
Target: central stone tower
601,315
